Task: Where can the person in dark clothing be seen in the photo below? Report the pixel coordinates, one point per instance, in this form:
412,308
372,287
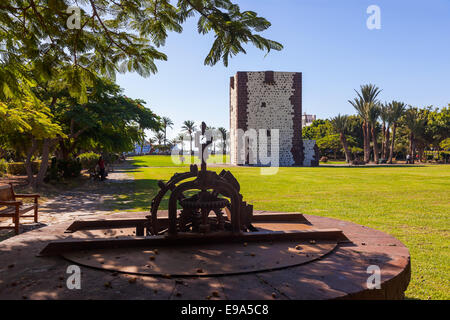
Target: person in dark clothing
101,166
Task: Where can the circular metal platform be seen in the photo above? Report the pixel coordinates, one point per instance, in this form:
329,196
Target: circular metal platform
204,260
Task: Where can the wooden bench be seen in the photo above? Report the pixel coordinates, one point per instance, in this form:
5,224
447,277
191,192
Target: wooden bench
10,207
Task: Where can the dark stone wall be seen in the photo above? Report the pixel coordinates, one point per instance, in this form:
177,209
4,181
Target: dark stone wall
296,100
242,100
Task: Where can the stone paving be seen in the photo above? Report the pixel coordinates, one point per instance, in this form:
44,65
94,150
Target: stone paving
88,200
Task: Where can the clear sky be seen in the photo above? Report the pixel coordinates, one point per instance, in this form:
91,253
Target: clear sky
328,41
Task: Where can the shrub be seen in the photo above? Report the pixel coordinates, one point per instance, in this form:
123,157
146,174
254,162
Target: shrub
60,168
358,162
19,168
111,158
88,160
3,167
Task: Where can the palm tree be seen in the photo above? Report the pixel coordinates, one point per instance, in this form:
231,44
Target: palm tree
385,115
180,138
189,127
159,136
361,109
415,125
166,123
397,110
223,133
367,98
340,125
374,113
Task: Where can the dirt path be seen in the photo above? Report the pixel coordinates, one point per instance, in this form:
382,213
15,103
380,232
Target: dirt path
90,199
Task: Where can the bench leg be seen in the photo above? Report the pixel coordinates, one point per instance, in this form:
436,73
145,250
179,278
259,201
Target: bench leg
36,210
16,220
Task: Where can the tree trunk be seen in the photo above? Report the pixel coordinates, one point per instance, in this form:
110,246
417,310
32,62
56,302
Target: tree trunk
368,134
383,142
165,137
44,163
412,147
375,144
391,153
366,143
64,150
28,163
345,145
386,143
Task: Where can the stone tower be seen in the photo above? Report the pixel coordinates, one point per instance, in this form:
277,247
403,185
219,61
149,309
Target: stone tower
268,100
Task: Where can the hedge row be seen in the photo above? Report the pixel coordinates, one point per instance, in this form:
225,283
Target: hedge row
18,168
88,161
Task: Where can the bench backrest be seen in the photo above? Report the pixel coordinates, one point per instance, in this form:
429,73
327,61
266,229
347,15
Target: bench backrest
6,193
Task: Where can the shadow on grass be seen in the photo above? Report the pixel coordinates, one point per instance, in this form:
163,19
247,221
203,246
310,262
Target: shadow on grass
135,196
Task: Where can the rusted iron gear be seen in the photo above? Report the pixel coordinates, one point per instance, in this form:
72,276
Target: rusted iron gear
198,204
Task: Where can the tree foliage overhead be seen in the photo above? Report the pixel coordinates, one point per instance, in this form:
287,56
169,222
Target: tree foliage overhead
54,58
114,36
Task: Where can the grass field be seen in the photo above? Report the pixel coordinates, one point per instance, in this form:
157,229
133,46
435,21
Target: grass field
168,161
411,203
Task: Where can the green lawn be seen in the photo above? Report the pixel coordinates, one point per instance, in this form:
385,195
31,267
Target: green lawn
168,161
411,203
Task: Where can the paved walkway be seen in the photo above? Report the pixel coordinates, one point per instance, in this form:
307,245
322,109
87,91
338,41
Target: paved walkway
90,199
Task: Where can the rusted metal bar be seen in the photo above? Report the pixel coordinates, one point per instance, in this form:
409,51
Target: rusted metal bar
62,246
106,224
279,217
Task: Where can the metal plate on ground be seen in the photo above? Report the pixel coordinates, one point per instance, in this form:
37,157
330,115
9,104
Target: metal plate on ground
204,260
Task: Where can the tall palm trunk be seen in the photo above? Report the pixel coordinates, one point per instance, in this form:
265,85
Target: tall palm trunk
386,143
412,147
383,141
366,142
345,145
375,144
165,135
391,153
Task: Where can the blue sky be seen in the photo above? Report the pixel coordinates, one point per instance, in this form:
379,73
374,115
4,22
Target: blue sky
326,40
